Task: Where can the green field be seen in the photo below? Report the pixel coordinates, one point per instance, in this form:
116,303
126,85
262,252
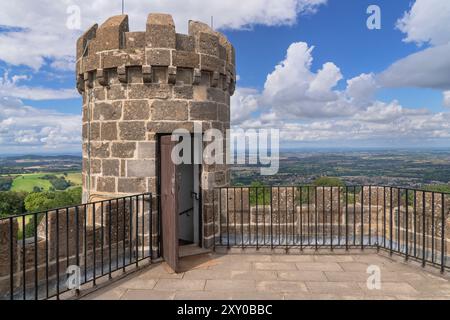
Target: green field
75,177
27,182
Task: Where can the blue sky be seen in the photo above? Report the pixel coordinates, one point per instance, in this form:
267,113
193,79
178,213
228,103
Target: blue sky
310,68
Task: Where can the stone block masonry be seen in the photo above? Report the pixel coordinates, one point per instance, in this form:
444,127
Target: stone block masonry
139,85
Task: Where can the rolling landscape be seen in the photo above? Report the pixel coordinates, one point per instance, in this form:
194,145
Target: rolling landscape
44,173
406,168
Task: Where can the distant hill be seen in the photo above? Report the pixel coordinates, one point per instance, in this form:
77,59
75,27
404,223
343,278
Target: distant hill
27,164
43,157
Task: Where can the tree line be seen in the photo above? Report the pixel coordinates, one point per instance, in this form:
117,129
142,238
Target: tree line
13,203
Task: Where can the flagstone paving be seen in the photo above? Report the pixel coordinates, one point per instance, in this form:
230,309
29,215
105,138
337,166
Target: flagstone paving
265,277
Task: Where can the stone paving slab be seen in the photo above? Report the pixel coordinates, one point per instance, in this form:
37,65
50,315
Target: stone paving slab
265,276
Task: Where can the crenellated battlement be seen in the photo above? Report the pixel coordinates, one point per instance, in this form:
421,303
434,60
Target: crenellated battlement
160,54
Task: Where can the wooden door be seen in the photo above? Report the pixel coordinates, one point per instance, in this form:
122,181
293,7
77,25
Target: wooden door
169,205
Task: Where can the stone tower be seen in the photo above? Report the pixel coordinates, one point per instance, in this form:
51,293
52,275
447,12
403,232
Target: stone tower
139,85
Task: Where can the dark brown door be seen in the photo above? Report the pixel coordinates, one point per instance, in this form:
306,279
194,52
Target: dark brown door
169,205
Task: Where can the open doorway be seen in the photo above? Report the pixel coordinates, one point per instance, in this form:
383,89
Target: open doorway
180,204
188,204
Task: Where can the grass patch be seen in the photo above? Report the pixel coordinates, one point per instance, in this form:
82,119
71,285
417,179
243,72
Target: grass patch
27,182
75,178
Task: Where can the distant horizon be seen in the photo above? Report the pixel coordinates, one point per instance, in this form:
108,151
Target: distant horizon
284,149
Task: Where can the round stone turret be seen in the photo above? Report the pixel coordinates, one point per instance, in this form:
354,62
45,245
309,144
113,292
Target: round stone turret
137,85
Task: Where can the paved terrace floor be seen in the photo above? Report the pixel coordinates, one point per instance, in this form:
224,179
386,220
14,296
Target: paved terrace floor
254,276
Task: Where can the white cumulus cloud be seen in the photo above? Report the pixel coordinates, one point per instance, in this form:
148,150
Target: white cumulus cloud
428,21
307,108
24,128
12,87
446,101
294,90
42,25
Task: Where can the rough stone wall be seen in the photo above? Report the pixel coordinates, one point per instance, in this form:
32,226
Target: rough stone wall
6,239
136,85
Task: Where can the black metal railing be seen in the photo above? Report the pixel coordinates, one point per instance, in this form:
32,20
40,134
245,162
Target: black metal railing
46,254
410,222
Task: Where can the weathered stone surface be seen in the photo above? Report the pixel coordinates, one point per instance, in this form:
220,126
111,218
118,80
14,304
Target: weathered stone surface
132,185
123,149
116,92
147,74
223,112
185,59
122,74
134,40
99,150
172,75
136,110
109,131
5,239
110,167
216,94
132,130
203,111
220,178
101,78
195,27
169,110
84,40
123,166
208,43
184,76
158,57
215,79
168,126
111,34
147,150
118,58
205,79
94,131
149,91
106,184
96,166
99,94
211,63
135,75
200,93
185,42
160,75
140,168
160,31
91,62
222,52
183,92
108,111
